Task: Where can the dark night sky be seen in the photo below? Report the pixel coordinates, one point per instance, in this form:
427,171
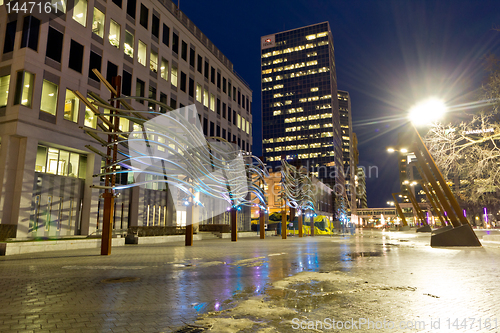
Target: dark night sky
389,55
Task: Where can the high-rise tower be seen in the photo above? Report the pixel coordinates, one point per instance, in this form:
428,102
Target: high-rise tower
299,102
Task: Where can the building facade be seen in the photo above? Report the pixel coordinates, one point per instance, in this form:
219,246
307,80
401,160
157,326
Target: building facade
299,102
45,169
348,149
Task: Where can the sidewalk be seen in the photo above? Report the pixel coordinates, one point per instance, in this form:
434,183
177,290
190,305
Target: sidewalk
262,285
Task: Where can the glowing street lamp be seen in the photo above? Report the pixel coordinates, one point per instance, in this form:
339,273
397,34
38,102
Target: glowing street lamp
461,233
427,111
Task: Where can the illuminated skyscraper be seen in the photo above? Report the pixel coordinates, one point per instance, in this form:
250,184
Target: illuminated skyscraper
299,102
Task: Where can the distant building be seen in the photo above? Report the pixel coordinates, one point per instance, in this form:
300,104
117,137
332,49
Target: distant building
350,165
299,102
361,189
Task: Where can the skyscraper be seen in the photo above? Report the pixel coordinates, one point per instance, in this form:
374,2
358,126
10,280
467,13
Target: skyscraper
299,102
350,168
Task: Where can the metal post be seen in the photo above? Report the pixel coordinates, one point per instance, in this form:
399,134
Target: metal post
300,225
399,210
262,224
312,224
189,224
283,221
111,156
437,189
234,225
431,199
440,178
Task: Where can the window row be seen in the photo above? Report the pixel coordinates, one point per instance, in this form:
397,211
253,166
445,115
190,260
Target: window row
55,39
60,162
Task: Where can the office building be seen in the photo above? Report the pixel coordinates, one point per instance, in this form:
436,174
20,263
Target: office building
350,166
45,169
299,102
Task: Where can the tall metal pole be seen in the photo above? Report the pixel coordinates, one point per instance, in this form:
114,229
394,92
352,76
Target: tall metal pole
440,178
111,156
437,189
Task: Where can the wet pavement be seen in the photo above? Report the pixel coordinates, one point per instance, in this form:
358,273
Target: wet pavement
370,282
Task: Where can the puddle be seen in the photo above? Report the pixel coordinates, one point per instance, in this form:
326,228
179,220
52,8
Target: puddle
304,297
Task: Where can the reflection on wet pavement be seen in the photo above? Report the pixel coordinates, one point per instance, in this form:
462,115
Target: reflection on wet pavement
254,285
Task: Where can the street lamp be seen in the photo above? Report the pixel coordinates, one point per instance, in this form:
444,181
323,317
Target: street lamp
460,233
427,111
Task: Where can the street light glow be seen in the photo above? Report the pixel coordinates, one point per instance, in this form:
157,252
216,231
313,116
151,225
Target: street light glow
404,150
391,150
427,111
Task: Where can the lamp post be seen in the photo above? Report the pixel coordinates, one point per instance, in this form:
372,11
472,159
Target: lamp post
461,234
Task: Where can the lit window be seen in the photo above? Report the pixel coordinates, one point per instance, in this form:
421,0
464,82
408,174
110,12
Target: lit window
71,104
278,86
277,113
141,53
322,34
153,61
290,120
205,98
128,46
266,55
114,34
288,102
314,89
278,95
90,118
98,23
314,62
326,97
49,97
267,79
199,93
302,100
212,102
4,89
277,52
278,77
164,69
311,37
267,71
326,115
80,12
60,162
24,88
174,76
239,121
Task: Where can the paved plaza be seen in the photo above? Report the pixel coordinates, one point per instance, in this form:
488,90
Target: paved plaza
355,282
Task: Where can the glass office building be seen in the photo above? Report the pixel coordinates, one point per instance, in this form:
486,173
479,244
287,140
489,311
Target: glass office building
300,109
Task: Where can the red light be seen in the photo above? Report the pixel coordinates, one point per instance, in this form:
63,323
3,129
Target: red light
268,40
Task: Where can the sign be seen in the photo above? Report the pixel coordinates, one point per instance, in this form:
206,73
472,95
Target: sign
267,42
479,131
